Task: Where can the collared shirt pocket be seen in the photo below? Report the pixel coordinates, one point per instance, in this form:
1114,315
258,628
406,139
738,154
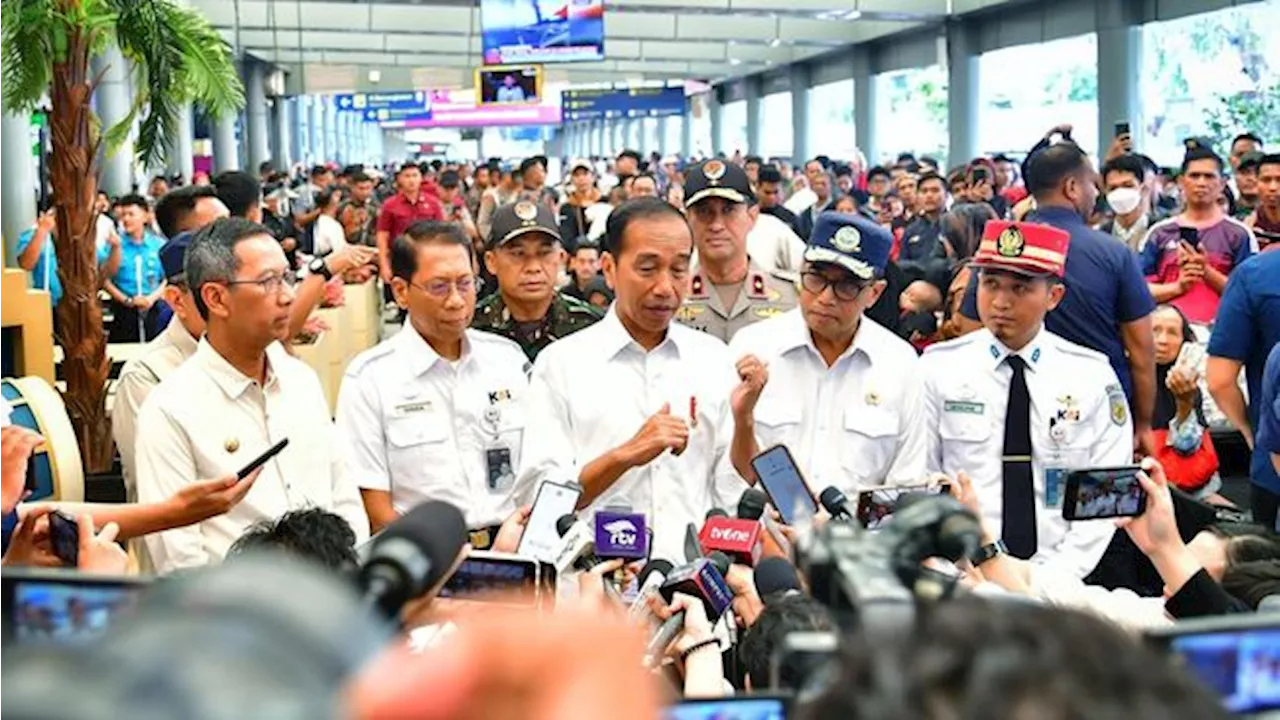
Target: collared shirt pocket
965,435
869,440
417,444
778,423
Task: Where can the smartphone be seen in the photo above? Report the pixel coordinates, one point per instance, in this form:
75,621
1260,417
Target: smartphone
483,573
808,653
739,707
64,536
554,500
980,174
785,485
1096,493
261,459
1122,128
875,507
1236,656
63,607
1190,235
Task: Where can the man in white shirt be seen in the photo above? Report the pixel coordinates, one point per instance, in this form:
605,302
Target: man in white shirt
434,413
635,406
1017,407
840,391
238,395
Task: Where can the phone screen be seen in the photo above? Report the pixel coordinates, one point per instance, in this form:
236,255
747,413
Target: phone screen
64,536
540,539
65,610
743,707
1104,493
1241,666
1190,235
513,577
875,507
785,485
1122,128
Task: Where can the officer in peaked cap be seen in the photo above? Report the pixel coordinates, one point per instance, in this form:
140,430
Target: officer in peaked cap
525,256
728,291
839,390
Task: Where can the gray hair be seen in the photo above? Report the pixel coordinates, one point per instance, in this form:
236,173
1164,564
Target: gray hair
211,256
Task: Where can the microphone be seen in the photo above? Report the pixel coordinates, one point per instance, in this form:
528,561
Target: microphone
751,506
577,545
775,575
837,504
715,512
621,535
738,539
411,555
692,546
651,577
702,579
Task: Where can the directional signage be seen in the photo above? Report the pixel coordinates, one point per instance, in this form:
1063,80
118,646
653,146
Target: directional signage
408,101
622,103
371,115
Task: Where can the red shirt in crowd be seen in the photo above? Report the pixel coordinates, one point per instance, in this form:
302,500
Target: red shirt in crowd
398,213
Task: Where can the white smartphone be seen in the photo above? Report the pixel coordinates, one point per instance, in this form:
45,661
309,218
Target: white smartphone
554,500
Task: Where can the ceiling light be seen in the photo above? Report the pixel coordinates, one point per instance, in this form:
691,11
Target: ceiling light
735,61
775,42
375,76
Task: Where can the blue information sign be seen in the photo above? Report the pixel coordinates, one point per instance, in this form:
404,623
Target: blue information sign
407,101
624,103
371,115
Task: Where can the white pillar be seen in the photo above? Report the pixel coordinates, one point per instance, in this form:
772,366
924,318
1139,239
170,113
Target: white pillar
112,103
18,191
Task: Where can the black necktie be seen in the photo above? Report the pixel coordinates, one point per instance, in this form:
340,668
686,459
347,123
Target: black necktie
1019,490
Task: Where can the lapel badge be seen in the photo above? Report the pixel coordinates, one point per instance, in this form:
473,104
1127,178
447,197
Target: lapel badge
872,398
231,444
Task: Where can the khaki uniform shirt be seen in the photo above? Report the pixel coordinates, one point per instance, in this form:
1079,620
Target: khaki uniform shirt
763,295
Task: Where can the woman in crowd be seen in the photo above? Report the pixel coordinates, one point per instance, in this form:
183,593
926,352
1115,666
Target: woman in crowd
329,234
961,232
1181,433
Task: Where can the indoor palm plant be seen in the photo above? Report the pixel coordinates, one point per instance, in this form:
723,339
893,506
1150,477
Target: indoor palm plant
176,57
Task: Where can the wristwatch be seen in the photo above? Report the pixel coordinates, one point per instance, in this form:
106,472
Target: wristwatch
318,266
989,552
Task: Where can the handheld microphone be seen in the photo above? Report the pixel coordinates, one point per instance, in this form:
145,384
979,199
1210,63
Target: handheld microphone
411,555
649,580
715,512
577,546
751,506
621,535
702,579
692,546
837,504
739,539
775,575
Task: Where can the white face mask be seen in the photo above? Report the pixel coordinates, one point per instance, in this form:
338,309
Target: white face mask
1124,200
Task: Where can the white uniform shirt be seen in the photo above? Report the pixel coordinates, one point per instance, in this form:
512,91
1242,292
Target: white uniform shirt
855,425
774,246
138,378
207,420
592,391
1079,419
420,426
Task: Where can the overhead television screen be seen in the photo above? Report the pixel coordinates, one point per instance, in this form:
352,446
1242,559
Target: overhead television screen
542,31
509,85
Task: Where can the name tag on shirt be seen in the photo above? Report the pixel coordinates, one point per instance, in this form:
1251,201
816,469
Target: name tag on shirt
412,408
966,407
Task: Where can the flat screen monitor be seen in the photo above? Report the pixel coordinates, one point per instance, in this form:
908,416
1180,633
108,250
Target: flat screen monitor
542,31
509,85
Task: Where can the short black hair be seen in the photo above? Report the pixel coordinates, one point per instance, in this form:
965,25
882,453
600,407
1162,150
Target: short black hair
1048,167
1197,153
906,157
311,534
173,209
1269,159
842,170
929,160
1001,157
404,249
318,170
1126,163
161,178
1246,136
769,174
133,199
620,219
407,166
753,159
877,171
238,190
783,613
629,154
359,176
1250,582
930,176
529,163
1148,165
326,196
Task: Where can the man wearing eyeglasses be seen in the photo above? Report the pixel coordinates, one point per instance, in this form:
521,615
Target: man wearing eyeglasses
525,256
237,396
728,290
434,412
837,389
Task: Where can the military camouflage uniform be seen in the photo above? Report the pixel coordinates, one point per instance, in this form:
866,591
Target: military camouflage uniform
763,295
565,316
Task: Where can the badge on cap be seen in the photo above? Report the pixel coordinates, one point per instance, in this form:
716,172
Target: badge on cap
1011,243
526,210
847,239
714,170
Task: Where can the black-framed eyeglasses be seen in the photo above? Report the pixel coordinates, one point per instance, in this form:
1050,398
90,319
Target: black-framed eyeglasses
440,289
271,284
845,288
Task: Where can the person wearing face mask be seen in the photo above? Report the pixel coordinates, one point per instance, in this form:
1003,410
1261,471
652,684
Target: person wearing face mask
1107,306
1122,177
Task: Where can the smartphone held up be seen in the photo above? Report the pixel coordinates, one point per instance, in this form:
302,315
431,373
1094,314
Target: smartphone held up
1096,493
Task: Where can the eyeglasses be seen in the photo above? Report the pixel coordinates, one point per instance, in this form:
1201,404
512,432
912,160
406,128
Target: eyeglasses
271,284
442,288
845,288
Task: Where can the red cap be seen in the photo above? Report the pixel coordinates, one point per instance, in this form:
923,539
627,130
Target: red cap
1027,248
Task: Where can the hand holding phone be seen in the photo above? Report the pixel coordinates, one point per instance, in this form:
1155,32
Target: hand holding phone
785,485
64,537
1096,493
262,459
540,539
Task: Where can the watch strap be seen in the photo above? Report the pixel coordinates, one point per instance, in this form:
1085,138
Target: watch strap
320,267
988,552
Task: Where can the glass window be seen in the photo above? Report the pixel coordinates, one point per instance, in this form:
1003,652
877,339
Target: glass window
674,137
700,116
776,139
649,139
831,126
911,113
733,128
1057,82
1214,75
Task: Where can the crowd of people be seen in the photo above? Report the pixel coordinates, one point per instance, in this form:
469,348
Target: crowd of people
646,327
